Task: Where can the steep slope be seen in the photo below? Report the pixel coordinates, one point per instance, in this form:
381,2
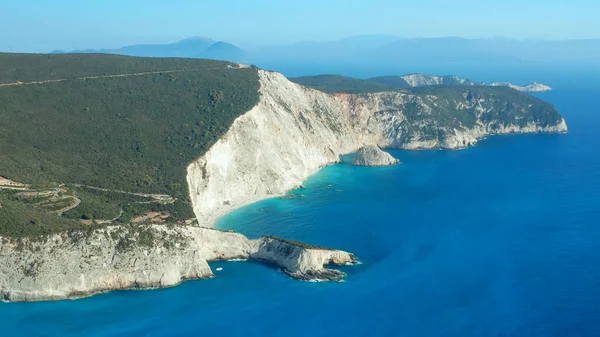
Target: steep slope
294,131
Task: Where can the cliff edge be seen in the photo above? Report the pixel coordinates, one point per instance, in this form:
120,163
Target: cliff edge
65,266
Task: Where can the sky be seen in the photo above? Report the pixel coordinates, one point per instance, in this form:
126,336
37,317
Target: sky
46,25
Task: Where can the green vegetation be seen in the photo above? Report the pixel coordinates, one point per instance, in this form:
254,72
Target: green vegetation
504,105
32,213
108,205
39,67
296,243
100,205
20,218
134,133
395,82
337,83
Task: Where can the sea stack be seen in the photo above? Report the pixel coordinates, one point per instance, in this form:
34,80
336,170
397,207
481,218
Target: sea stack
372,155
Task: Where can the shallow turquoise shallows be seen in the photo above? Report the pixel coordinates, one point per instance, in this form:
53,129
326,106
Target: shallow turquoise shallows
502,239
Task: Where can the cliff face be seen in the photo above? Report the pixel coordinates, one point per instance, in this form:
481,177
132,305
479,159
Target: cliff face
304,263
157,256
373,156
294,131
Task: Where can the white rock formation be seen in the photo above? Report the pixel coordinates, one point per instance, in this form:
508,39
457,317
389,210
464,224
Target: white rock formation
421,80
371,155
535,87
302,262
294,131
156,256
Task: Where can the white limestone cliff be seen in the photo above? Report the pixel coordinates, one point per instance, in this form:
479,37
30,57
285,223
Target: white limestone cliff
421,80
535,87
294,131
157,256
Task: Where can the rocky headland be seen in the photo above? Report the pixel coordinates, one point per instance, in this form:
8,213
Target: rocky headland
146,257
372,155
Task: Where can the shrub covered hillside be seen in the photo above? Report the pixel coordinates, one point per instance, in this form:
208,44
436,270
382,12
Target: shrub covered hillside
337,83
116,122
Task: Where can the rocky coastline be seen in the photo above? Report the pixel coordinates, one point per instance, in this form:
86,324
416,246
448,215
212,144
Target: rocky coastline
76,265
290,134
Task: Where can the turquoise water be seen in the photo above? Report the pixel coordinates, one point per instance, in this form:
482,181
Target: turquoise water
502,239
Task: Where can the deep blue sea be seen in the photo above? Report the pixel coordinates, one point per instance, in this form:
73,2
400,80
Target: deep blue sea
502,239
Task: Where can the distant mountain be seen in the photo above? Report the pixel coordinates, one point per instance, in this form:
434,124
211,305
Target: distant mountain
224,51
318,50
368,55
195,47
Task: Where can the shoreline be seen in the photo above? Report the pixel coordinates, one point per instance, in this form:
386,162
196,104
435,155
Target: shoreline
212,221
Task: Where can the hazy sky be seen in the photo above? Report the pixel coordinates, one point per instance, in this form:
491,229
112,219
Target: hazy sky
45,25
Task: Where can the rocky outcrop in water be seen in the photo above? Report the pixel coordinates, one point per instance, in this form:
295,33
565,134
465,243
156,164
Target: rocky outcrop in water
371,155
115,258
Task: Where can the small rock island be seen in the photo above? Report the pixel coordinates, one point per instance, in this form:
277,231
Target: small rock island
372,155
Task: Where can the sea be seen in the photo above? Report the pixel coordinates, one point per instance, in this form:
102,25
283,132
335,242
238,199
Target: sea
501,239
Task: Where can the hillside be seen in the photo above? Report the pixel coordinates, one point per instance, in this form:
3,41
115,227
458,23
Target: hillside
105,139
136,132
338,83
396,82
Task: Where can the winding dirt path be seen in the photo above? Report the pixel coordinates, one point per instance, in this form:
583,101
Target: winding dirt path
158,197
76,202
19,83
